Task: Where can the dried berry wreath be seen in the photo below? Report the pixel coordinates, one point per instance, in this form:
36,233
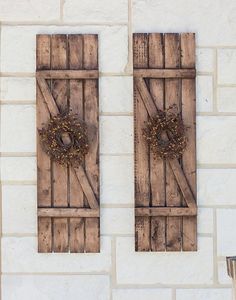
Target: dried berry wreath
165,134
64,139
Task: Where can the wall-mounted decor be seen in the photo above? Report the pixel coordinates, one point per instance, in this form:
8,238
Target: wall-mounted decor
67,143
165,154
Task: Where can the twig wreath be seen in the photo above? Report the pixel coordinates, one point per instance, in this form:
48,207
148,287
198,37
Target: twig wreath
64,139
165,134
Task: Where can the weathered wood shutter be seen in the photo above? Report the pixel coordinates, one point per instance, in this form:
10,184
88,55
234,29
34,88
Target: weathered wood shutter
68,198
165,191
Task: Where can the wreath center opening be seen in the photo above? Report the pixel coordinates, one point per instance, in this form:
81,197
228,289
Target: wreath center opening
65,139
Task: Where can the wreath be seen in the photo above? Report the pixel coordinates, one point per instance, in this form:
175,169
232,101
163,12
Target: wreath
165,134
64,139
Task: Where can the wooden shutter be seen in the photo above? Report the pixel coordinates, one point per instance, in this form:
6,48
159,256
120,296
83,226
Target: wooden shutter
68,198
165,191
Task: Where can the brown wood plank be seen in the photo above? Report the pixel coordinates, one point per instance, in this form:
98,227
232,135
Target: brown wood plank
142,178
165,211
75,44
157,167
91,115
76,235
165,73
86,184
43,161
146,98
69,74
189,156
48,98
59,60
172,96
68,212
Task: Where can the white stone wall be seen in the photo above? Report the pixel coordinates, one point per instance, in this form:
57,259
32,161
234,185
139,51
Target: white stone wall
118,272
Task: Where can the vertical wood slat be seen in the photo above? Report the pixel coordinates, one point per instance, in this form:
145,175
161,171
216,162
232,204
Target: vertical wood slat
43,61
172,96
189,118
75,46
92,232
157,167
59,61
81,97
142,176
155,183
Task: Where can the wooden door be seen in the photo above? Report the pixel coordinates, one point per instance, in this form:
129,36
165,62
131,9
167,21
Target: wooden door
68,196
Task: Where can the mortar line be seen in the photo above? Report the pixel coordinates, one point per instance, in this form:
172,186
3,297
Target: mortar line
62,24
129,67
216,114
173,286
113,265
215,264
200,73
216,47
55,273
173,292
17,102
226,85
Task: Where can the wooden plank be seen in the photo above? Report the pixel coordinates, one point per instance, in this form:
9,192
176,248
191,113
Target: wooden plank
43,161
68,213
172,96
91,115
142,178
68,74
165,73
183,183
76,235
85,184
60,173
165,211
75,44
157,167
189,156
48,98
145,96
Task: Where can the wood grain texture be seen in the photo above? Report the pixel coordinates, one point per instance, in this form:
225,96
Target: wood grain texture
189,117
142,176
67,72
164,74
92,232
59,89
172,96
75,44
44,188
157,167
68,212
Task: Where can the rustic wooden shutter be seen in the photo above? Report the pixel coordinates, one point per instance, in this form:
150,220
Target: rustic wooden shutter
165,191
68,198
